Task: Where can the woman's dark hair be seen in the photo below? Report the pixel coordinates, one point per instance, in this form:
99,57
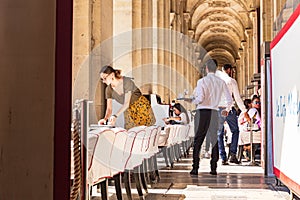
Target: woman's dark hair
247,102
227,66
107,69
255,97
179,107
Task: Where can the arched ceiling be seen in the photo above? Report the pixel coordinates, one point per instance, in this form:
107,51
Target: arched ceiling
219,26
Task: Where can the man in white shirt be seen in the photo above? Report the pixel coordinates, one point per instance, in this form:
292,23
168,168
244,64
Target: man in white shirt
207,97
231,118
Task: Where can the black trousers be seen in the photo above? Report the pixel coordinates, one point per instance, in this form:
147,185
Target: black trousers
206,124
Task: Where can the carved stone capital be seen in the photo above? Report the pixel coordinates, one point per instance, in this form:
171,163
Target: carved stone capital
186,16
249,32
191,33
243,44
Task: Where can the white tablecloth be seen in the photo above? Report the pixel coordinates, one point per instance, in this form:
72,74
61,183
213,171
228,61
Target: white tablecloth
244,137
112,150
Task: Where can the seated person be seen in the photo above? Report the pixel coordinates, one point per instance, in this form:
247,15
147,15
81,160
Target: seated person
243,126
181,116
253,107
254,111
171,110
242,120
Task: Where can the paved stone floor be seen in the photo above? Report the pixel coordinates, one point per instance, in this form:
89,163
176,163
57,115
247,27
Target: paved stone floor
233,182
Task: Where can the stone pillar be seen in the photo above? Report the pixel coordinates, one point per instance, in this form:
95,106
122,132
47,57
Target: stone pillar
157,43
253,17
250,66
122,38
242,81
92,49
81,49
196,64
188,68
158,50
101,47
167,52
191,67
147,53
245,63
266,20
238,75
179,48
137,41
173,59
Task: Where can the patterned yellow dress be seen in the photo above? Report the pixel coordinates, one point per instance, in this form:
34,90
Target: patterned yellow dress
139,112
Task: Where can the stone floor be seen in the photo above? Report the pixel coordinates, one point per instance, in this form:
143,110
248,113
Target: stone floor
233,181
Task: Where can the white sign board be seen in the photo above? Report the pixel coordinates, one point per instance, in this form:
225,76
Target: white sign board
285,73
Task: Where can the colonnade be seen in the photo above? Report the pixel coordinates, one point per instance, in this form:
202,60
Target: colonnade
151,41
148,40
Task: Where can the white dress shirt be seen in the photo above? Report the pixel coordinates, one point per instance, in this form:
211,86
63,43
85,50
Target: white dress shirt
233,89
208,93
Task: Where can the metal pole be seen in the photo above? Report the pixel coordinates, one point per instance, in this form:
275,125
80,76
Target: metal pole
84,125
252,162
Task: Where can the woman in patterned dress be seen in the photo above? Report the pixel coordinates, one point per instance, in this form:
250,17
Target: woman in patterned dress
137,109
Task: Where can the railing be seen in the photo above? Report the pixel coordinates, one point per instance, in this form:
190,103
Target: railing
79,130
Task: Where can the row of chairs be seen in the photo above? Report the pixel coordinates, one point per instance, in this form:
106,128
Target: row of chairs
175,142
114,153
117,151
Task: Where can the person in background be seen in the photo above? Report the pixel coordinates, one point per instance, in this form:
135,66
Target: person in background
137,109
231,118
207,96
243,126
248,105
181,116
254,111
171,106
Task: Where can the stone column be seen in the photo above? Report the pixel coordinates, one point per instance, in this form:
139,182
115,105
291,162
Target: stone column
253,17
179,48
195,71
147,54
242,80
161,46
266,20
156,45
137,41
122,38
185,48
167,52
101,47
238,75
81,49
196,64
173,58
190,59
245,63
249,34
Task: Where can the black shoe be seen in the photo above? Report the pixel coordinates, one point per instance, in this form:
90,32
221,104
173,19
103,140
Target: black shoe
194,172
213,172
233,159
225,162
172,165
